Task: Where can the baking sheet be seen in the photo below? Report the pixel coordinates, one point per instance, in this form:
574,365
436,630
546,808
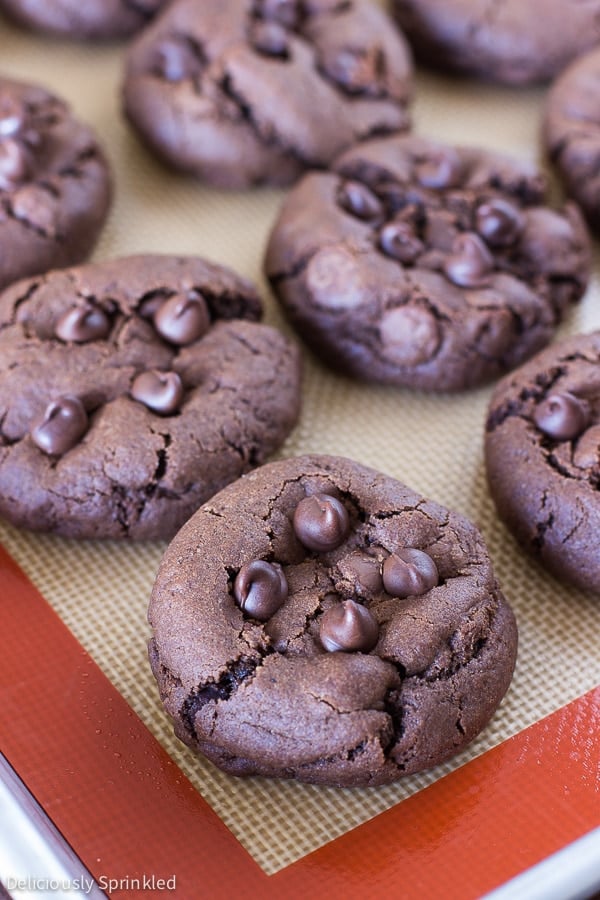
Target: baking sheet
433,443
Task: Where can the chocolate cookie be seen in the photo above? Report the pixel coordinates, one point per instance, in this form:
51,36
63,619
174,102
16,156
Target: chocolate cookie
83,19
543,459
513,41
54,183
572,132
133,390
321,621
419,264
243,92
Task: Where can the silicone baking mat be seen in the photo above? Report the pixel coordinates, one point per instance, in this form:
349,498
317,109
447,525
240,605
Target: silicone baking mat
122,789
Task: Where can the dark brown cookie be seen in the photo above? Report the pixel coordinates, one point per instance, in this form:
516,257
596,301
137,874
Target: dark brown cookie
424,265
133,390
543,460
571,132
243,92
54,183
321,621
83,19
513,41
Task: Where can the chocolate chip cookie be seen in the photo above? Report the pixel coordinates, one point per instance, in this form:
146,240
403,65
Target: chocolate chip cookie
321,621
513,41
54,183
244,92
424,265
542,451
133,390
572,132
88,20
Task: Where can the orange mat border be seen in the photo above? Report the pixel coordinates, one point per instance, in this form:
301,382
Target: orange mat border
129,812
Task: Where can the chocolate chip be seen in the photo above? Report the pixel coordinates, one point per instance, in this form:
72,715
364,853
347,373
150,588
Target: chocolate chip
470,264
321,522
348,626
357,199
499,222
83,323
398,240
64,422
162,392
562,416
356,71
13,164
285,12
260,589
271,39
442,169
409,573
183,318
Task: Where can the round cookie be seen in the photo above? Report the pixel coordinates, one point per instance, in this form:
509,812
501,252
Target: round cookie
54,183
420,264
571,132
87,20
245,92
542,462
321,621
514,42
133,390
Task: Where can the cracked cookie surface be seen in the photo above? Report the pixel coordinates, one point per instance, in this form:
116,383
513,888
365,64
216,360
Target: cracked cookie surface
430,266
571,131
89,20
376,658
542,452
133,390
502,40
54,183
244,92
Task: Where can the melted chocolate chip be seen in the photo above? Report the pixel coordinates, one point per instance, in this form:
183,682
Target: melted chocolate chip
358,200
348,626
499,222
562,416
410,335
470,264
183,318
439,170
64,422
12,116
366,571
409,573
37,206
271,39
176,59
13,164
356,71
285,12
82,324
321,522
260,589
162,392
398,240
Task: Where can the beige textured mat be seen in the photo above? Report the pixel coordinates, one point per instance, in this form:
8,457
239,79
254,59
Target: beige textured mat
432,443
